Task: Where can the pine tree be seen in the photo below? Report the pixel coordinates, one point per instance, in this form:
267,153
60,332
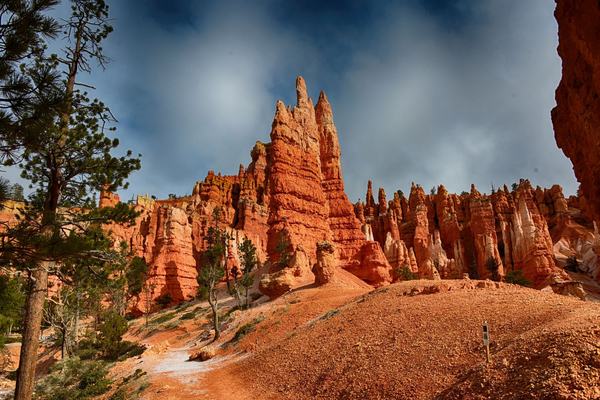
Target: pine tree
58,134
16,192
12,302
212,270
248,262
28,99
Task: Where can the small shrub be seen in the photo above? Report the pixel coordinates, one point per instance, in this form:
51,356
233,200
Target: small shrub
74,378
136,375
143,386
164,300
258,319
282,248
120,394
329,313
493,266
86,354
111,332
164,318
171,325
405,274
130,349
517,278
244,330
202,293
572,264
187,315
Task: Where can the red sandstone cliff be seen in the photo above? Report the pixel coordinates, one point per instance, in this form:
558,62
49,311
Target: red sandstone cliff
294,187
447,236
576,117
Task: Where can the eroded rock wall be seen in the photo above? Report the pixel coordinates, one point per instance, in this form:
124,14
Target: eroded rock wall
450,235
576,117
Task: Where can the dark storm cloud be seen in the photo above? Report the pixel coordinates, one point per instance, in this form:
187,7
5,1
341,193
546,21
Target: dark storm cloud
455,106
453,92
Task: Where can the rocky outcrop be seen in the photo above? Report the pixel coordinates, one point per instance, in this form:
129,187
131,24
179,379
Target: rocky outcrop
576,247
298,202
306,188
326,265
277,283
576,117
483,227
343,225
374,267
451,235
108,199
204,354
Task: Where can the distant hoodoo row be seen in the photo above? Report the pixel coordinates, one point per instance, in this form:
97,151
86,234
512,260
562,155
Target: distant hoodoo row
293,188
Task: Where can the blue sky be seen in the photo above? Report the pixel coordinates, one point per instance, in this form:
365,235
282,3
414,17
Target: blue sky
453,92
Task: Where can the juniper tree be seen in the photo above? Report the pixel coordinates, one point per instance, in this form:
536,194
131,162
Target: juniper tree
58,134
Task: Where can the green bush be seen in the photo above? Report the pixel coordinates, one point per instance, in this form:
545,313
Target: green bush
164,300
86,349
493,265
517,278
111,332
129,349
165,318
202,293
187,315
120,394
74,378
329,313
243,331
405,274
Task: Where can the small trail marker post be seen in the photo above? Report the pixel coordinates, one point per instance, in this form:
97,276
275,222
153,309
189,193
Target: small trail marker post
486,341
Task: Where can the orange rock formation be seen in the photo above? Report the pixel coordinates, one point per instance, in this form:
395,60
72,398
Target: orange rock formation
576,117
446,236
293,187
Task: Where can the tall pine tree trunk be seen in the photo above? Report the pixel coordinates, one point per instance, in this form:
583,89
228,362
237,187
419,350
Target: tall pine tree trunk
31,332
213,301
76,327
63,347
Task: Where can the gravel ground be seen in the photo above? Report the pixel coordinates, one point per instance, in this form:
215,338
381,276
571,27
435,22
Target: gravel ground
423,340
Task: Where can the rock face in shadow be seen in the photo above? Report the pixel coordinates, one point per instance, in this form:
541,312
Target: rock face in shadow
576,117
